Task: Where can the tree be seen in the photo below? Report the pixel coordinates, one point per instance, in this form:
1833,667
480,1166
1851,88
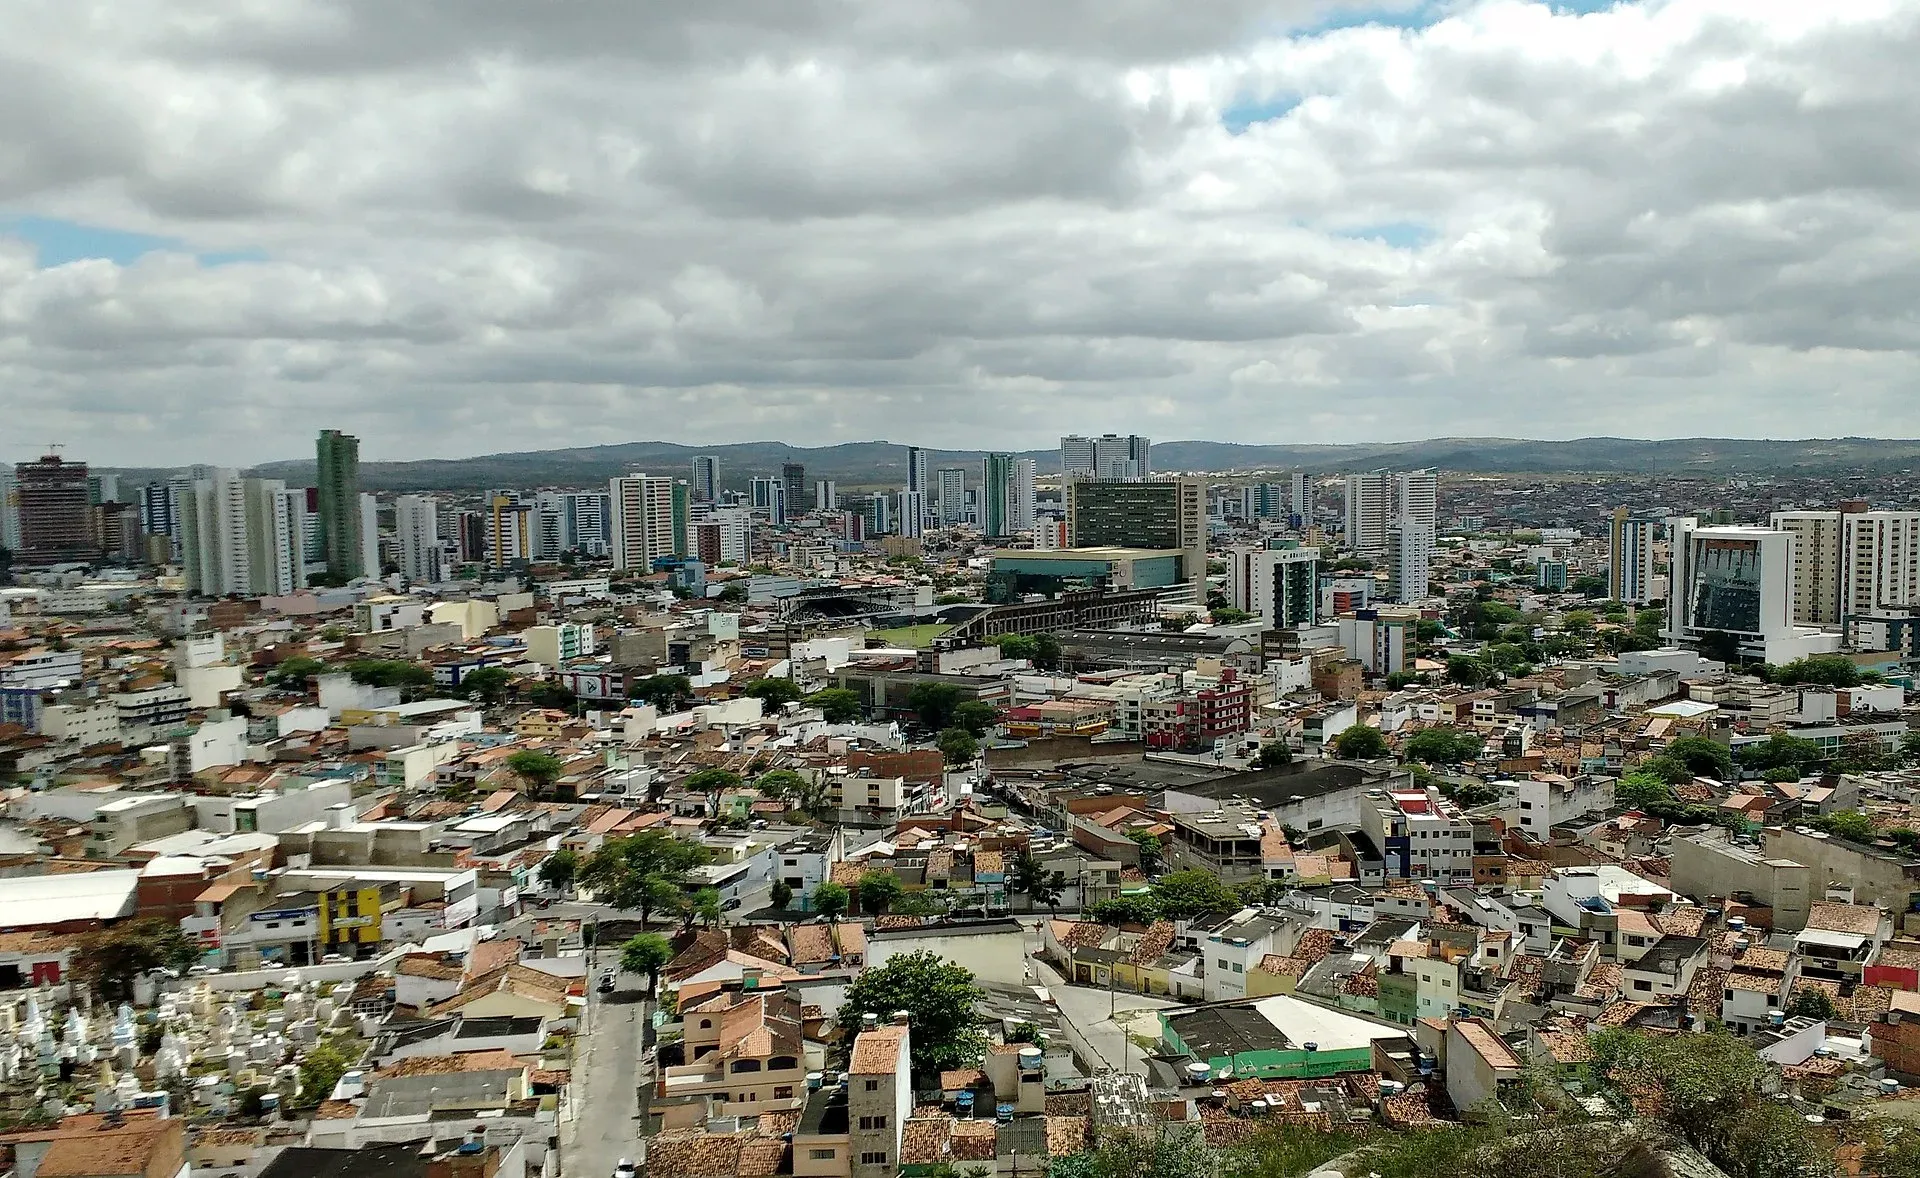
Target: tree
320,1070
934,703
1017,646
1442,746
838,705
1703,757
558,869
558,696
1026,876
1589,587
782,784
294,673
736,591
1150,849
706,907
957,746
1667,769
1226,615
1272,755
1846,824
648,871
831,899
1143,909
1577,621
1360,743
1828,670
1910,747
878,891
488,685
536,770
775,693
1465,671
939,998
781,893
668,693
646,953
1169,1151
109,959
1779,751
976,716
1046,652
1809,1002
1642,789
1184,895
713,782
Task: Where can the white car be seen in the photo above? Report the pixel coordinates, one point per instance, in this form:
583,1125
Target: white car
624,1170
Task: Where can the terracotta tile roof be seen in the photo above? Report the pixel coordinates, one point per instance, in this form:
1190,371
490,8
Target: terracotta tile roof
1153,943
708,949
957,1078
1814,1068
975,1141
335,1110
1755,983
1080,934
429,965
877,1052
1407,1111
495,1060
989,862
1603,981
1486,1044
761,1157
896,921
774,1124
924,1140
1068,1135
1070,1104
551,1077
1314,945
132,1148
1705,992
516,979
1844,918
1760,960
1565,1046
1869,1003
488,956
1284,967
693,1153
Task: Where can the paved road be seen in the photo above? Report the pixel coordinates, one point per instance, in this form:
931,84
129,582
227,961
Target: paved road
1084,1010
606,1075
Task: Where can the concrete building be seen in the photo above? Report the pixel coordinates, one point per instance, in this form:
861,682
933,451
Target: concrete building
996,488
1545,801
879,1098
643,521
1410,544
416,531
953,496
1281,585
706,478
50,503
1157,514
1419,834
1631,538
1851,562
337,479
1738,581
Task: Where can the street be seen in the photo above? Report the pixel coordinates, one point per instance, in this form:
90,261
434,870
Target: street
606,1072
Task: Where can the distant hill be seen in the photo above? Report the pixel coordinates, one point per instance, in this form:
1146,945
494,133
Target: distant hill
855,464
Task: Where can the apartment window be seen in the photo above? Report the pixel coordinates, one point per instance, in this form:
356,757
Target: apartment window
1526,805
822,1155
784,1092
873,1085
874,1122
874,1158
1642,984
1238,968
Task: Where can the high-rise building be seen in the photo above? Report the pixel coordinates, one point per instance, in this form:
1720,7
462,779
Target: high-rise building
103,488
793,476
1281,585
1020,496
587,516
995,488
1410,544
917,460
213,538
953,495
826,495
508,535
1738,581
1109,456
9,509
53,509
1165,514
337,478
156,509
1377,500
1268,501
1300,499
1076,456
879,515
706,478
643,521
910,508
277,542
1631,537
1851,562
416,537
769,495
370,563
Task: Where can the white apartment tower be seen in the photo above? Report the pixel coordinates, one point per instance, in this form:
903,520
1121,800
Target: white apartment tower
1631,538
370,535
1851,562
642,520
953,495
1020,495
1410,544
1300,499
706,478
1378,500
826,495
1281,585
1109,456
416,534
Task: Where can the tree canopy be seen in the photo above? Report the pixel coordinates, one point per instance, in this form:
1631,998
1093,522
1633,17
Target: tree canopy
1360,743
109,959
646,953
537,770
1828,670
668,693
958,746
838,705
1183,895
648,871
934,703
775,693
976,716
1272,755
1702,757
558,869
1442,746
939,998
830,899
487,685
878,892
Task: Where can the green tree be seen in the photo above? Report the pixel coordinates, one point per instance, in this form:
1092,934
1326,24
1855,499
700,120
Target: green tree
109,959
668,693
713,783
831,899
934,703
536,770
976,716
294,674
1142,909
1150,850
1720,646
1360,743
557,696
1166,1151
940,999
1668,769
878,892
838,705
1577,621
488,685
1779,751
1027,877
706,907
1910,747
1703,757
1828,670
557,870
782,784
1465,671
646,953
320,1070
1810,1003
648,871
1846,824
1046,652
1183,895
958,746
775,693
1017,646
1226,615
1642,789
1442,746
1272,755
781,893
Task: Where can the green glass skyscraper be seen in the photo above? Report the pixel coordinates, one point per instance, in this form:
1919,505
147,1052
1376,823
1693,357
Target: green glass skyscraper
998,478
337,479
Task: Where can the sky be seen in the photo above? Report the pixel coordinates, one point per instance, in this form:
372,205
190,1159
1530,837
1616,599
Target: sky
458,227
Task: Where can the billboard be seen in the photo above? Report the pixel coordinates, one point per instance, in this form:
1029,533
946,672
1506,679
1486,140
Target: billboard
1725,594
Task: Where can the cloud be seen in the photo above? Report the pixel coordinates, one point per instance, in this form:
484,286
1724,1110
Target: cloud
464,226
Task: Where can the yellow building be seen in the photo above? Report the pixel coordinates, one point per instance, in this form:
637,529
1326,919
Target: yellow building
350,915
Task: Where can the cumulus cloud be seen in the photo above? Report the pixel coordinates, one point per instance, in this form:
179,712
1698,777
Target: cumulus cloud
460,226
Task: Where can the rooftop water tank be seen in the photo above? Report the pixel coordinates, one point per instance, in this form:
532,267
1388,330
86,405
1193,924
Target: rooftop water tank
1030,1058
815,1080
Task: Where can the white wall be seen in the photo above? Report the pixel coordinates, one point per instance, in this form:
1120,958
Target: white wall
993,957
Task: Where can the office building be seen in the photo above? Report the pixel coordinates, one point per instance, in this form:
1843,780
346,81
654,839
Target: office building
1167,514
706,478
1020,495
1300,499
826,495
917,465
416,538
1109,456
1550,575
953,495
643,521
1851,562
769,497
9,509
1410,544
1280,585
53,510
1738,581
995,488
1630,547
1076,456
793,476
337,478
1267,501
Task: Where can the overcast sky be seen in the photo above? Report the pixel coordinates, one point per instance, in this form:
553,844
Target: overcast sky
467,226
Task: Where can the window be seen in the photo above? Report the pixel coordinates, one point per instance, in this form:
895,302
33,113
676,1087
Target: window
874,1122
1238,968
1729,995
1642,984
782,1063
873,1085
822,1155
874,1158
1526,805
783,1092
745,1065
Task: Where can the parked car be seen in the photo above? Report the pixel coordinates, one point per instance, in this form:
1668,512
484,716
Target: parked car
624,1170
730,903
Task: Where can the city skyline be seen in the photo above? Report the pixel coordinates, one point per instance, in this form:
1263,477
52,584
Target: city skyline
961,221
